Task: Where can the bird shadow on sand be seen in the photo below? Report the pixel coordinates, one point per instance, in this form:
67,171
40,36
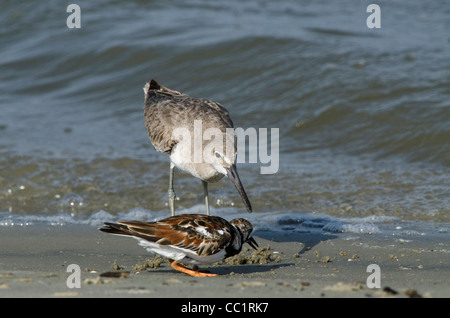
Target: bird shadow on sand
247,269
225,270
307,239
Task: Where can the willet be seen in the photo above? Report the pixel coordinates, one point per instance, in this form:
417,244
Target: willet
176,124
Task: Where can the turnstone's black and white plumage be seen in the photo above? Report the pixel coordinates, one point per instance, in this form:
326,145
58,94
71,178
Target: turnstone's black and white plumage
188,238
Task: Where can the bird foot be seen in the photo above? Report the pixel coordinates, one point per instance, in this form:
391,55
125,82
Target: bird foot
196,273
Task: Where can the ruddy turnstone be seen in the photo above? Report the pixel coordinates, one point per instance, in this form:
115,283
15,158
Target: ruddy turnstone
188,238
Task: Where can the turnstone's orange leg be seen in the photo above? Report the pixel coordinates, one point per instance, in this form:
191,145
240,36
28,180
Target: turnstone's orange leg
177,266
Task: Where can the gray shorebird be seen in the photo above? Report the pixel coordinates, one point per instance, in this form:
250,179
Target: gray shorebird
188,238
177,124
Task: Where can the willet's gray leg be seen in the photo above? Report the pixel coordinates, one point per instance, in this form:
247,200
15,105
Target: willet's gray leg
205,189
172,195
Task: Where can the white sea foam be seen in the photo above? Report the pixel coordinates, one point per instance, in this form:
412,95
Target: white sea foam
267,221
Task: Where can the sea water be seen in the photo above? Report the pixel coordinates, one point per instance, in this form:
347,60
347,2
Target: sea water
363,114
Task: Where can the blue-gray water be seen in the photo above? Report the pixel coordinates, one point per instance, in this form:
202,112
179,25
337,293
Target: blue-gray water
363,114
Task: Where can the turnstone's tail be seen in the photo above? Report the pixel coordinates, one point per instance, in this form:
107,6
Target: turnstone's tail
117,229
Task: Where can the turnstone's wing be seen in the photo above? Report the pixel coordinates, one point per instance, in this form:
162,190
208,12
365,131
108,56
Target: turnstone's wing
201,234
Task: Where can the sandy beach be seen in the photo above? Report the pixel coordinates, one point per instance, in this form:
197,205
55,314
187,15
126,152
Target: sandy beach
34,262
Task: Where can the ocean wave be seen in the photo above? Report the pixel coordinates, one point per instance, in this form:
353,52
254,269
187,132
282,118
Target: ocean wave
266,224
262,221
354,108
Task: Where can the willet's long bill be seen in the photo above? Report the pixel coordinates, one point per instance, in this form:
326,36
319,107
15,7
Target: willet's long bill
167,113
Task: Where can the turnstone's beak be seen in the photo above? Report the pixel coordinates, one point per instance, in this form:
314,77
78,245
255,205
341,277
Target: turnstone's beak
234,176
251,241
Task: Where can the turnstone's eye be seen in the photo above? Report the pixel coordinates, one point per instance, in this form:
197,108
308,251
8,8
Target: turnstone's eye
217,154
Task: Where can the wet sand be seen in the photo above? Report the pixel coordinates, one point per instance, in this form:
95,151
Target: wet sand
34,262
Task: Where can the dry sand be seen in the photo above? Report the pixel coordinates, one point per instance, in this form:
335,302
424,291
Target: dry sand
34,262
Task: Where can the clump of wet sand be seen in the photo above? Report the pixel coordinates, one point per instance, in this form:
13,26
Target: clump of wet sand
261,256
149,263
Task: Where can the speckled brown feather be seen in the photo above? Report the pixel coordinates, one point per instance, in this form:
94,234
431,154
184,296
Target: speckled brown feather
181,231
